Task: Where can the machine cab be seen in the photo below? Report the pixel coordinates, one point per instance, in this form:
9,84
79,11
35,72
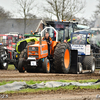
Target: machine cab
79,41
64,29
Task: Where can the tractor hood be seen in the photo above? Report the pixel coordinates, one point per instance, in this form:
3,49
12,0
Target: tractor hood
20,46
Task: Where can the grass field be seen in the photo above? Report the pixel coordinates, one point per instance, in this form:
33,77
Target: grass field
11,67
50,89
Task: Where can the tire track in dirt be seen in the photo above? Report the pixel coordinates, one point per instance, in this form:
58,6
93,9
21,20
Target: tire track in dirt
15,75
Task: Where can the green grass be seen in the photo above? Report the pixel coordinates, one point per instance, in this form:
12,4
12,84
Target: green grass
34,82
50,89
55,89
27,82
81,81
11,67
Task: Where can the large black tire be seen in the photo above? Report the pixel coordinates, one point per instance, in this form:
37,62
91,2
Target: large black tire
16,65
89,63
20,66
4,65
23,55
46,66
62,58
4,62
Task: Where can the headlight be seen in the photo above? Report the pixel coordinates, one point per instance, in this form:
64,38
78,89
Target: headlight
30,53
5,47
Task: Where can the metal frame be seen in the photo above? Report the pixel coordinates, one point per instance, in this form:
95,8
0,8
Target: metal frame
50,28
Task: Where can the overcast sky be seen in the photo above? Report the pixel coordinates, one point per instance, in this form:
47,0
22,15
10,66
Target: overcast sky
88,11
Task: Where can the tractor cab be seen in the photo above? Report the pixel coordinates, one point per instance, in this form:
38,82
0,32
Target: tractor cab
3,39
64,29
79,42
6,40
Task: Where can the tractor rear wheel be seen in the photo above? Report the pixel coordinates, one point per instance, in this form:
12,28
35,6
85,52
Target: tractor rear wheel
62,58
89,63
20,66
46,66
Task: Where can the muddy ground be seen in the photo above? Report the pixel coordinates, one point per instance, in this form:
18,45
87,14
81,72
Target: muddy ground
51,95
15,75
57,95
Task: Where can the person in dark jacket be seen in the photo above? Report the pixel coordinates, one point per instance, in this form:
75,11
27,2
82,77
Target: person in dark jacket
48,40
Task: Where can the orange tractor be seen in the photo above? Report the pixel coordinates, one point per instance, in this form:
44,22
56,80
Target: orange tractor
35,56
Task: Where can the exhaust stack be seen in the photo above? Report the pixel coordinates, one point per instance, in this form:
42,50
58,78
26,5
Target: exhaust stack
40,40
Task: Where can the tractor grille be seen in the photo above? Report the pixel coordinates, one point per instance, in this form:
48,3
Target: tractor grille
33,48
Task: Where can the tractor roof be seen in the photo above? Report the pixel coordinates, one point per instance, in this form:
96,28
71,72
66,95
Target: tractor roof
65,23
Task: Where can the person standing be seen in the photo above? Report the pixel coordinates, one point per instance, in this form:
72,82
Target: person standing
48,40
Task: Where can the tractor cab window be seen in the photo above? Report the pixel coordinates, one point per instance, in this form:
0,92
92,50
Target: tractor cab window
63,34
51,32
14,39
3,39
79,39
10,42
95,32
67,36
70,30
60,35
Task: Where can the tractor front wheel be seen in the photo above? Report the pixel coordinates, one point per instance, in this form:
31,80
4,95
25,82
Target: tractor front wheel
46,66
20,66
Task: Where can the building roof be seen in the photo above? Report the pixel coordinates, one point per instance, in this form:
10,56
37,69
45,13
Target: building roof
17,25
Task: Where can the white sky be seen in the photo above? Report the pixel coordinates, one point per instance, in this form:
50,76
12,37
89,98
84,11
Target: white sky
88,11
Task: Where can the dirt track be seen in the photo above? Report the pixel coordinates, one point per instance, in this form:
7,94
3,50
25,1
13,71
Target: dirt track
51,95
57,95
15,75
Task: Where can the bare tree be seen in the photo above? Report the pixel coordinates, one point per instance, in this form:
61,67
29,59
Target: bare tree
25,7
4,14
95,16
97,11
64,9
83,21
